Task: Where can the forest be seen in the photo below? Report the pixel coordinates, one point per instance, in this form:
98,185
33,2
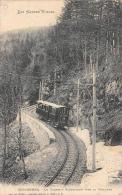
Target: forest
87,32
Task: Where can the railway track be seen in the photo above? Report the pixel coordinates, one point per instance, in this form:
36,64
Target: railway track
72,157
67,161
29,108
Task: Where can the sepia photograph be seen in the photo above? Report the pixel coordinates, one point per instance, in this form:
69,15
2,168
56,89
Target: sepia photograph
60,97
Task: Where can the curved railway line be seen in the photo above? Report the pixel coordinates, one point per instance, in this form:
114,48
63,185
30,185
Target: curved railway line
67,161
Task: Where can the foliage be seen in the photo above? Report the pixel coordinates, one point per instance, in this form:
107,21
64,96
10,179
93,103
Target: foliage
87,32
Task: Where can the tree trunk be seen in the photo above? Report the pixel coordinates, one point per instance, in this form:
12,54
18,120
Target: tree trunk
4,143
85,57
106,50
97,58
118,44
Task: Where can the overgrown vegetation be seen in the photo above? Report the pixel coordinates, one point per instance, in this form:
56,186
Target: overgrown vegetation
13,172
88,32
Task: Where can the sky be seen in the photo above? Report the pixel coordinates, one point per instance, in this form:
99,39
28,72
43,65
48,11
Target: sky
21,14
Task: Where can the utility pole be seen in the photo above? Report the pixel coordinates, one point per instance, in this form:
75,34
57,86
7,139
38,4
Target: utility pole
55,82
21,155
97,57
41,90
78,104
85,57
20,126
94,121
90,62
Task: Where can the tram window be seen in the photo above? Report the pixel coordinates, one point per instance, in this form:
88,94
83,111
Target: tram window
39,105
53,111
59,111
65,110
46,108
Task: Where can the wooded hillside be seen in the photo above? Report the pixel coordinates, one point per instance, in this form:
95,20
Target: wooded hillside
87,32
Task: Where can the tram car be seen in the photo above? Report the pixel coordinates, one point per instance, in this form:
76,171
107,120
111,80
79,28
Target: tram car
56,114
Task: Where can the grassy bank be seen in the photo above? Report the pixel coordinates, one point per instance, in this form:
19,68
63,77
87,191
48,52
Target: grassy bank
13,172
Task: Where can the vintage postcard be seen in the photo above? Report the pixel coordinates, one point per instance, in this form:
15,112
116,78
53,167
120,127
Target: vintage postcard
60,97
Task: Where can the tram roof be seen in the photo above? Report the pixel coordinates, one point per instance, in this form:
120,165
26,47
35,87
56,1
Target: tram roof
50,104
